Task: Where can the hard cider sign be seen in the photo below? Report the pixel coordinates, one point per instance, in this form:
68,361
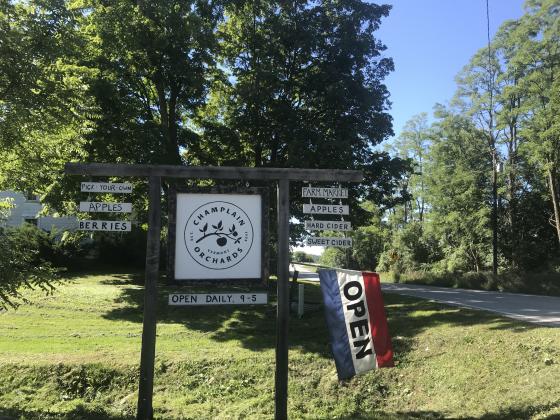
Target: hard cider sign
218,236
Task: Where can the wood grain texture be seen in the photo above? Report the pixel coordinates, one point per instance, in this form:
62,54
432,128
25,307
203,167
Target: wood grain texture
213,172
148,351
282,309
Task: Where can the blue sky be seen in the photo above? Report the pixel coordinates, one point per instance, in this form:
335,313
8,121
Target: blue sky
430,41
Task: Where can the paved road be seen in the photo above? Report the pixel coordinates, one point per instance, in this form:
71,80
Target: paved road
544,310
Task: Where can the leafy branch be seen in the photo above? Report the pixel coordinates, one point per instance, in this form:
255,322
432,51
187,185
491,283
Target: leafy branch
233,235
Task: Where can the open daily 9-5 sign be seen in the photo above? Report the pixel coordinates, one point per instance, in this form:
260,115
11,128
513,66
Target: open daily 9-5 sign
217,237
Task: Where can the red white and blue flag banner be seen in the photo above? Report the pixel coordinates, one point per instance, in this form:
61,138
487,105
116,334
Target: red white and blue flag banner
356,320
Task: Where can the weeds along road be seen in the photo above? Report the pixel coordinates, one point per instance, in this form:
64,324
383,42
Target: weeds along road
542,310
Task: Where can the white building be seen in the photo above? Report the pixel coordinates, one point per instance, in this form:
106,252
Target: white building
26,209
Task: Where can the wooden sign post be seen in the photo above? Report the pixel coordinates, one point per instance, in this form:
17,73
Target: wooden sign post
155,173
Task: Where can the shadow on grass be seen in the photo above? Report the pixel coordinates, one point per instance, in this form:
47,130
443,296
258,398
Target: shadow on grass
255,326
81,412
508,413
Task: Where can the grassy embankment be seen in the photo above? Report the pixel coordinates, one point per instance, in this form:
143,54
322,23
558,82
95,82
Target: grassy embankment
74,355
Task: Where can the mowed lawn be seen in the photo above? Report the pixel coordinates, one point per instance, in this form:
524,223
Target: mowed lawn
75,355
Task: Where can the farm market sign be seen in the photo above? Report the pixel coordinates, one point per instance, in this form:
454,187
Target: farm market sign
329,209
310,192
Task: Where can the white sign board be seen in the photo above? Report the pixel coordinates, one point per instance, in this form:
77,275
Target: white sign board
218,236
335,225
106,187
199,299
97,207
313,192
325,209
338,241
104,225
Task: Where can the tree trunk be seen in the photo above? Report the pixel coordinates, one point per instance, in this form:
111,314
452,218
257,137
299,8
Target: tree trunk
494,215
168,115
554,196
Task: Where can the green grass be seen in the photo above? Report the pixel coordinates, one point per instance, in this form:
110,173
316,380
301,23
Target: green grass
75,354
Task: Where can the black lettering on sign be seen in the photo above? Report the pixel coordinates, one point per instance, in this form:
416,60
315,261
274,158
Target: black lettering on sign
351,285
359,308
359,329
361,326
362,344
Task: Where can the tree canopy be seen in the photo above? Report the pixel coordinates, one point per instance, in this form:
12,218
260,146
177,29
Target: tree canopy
259,83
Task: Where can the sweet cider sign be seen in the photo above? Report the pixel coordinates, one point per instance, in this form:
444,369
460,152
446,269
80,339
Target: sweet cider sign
218,236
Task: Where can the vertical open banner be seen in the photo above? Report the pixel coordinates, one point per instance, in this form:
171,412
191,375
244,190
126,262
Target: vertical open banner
357,322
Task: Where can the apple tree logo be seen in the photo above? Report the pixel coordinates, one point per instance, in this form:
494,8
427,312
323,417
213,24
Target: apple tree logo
218,235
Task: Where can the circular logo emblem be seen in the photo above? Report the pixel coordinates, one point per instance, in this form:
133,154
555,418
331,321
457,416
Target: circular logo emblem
218,235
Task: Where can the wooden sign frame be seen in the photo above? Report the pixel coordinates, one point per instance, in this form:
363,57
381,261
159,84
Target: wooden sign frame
217,282
154,173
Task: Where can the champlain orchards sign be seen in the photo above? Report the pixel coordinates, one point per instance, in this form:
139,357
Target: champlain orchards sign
217,236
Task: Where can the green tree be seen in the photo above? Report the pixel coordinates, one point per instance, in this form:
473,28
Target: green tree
333,257
305,89
458,183
44,106
537,36
301,256
476,95
413,143
154,63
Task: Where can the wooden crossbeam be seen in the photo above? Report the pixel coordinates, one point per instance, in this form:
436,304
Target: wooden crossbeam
213,172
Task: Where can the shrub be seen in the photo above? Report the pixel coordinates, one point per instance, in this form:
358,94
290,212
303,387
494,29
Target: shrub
333,257
124,250
22,266
301,256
